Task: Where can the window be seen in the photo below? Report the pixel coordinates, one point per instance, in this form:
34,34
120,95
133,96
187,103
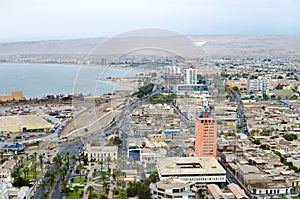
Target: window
175,190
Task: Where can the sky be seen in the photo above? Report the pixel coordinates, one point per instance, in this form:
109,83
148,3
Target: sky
31,20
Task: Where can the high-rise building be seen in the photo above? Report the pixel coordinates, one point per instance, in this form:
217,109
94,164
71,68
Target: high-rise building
259,85
190,76
206,135
173,70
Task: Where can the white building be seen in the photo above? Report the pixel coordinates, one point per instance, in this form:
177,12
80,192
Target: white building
173,70
259,85
201,170
190,76
97,153
7,191
173,188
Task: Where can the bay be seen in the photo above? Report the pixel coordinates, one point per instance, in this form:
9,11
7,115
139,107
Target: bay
38,80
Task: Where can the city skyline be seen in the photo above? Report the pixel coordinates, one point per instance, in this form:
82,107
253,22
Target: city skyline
33,20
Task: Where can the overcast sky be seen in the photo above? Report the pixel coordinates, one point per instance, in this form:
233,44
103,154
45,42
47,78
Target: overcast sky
68,19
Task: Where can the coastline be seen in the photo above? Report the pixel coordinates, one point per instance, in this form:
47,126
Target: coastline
61,80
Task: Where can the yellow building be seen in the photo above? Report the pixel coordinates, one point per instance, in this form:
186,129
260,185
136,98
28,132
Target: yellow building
15,95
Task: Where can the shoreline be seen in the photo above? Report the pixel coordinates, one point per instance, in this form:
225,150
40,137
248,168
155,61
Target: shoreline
81,65
116,84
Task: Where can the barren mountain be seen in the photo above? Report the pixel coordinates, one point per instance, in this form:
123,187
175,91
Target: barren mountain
215,45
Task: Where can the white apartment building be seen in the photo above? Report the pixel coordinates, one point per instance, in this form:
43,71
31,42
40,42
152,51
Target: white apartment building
259,85
173,70
190,76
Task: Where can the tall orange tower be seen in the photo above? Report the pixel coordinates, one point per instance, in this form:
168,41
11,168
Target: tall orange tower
206,135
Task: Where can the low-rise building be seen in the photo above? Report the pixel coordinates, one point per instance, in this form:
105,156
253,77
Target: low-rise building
97,153
173,188
201,170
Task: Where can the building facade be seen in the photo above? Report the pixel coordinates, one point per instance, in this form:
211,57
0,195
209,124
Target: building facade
190,76
190,89
101,153
201,170
173,188
259,85
206,135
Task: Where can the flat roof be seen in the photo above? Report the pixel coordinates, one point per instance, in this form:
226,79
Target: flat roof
93,149
245,168
189,165
18,122
172,183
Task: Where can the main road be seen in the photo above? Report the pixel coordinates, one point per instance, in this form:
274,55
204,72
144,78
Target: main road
73,147
240,114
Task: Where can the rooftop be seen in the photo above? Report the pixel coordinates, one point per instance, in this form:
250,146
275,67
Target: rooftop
172,183
189,165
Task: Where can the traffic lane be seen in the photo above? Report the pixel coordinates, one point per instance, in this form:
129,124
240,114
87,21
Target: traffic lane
73,147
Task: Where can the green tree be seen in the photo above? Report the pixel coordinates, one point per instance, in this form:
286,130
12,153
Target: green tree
1,154
290,137
63,172
26,170
257,142
42,185
90,189
144,191
80,167
41,160
101,165
76,189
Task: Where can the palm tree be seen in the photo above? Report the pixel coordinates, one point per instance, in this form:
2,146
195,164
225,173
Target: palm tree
123,184
33,169
67,157
103,178
57,161
42,185
1,154
105,186
47,167
50,175
90,189
122,194
116,175
35,156
63,172
80,167
21,159
73,158
123,174
123,162
15,157
101,165
64,185
41,157
76,188
26,170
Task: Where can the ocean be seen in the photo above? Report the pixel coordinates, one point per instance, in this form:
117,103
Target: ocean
38,80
